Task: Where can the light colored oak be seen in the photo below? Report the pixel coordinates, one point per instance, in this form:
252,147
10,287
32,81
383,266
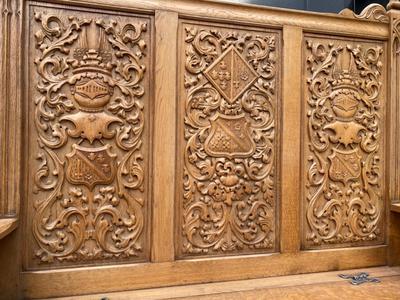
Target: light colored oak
223,90
88,152
126,277
387,289
229,139
256,287
11,89
166,27
343,154
393,161
249,14
10,107
291,139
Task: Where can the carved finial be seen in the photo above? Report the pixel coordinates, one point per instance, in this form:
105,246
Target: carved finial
373,12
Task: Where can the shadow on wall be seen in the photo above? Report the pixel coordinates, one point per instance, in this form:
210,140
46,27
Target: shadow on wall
333,6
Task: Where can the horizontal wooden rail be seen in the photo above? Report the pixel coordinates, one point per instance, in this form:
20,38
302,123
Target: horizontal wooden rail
250,14
139,276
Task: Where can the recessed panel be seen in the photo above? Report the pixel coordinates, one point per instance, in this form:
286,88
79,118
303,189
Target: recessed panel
228,139
88,149
344,203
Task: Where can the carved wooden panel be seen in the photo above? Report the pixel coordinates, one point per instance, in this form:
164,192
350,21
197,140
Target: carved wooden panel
344,201
229,91
88,103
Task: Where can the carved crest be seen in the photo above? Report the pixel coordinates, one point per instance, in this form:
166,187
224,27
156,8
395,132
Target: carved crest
90,92
230,74
229,137
343,143
345,165
91,166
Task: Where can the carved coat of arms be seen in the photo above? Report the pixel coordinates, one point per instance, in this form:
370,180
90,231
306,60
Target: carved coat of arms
91,166
345,165
229,137
344,196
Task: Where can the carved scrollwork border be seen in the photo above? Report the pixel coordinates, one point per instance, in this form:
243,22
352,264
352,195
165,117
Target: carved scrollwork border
344,172
222,210
89,115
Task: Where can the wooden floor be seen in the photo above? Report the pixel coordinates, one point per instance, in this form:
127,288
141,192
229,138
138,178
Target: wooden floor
319,286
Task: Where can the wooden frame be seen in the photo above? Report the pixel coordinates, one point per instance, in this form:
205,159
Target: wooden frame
164,267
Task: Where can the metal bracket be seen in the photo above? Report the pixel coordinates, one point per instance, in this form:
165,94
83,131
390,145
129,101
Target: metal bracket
359,278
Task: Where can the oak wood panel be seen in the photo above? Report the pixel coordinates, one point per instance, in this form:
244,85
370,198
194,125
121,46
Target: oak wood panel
10,141
10,107
166,28
88,148
160,183
138,276
393,160
229,139
344,142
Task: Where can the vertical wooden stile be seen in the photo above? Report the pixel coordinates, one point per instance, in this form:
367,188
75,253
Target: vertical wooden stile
291,131
164,117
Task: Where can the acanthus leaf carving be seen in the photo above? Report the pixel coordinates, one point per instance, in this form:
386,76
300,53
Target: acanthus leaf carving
344,143
89,117
229,198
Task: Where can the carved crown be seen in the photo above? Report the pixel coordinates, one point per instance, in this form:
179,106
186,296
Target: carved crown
345,86
345,74
93,57
92,60
93,53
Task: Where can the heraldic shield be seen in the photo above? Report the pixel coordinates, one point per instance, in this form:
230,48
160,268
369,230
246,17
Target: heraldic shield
91,166
345,165
229,137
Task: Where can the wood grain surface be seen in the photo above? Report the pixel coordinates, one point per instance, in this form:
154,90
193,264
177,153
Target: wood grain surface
149,144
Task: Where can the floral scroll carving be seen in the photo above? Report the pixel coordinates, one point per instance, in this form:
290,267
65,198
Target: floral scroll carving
373,12
344,202
230,134
88,189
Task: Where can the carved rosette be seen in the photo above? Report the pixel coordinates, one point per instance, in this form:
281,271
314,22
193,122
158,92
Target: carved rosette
88,189
344,204
229,199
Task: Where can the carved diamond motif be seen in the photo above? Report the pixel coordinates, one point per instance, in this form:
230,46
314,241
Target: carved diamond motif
230,74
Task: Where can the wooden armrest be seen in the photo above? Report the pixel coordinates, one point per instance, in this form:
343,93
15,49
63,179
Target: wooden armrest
395,207
7,226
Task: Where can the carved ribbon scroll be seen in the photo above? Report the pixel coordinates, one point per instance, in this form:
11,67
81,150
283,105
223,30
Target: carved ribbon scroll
230,140
344,204
89,122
